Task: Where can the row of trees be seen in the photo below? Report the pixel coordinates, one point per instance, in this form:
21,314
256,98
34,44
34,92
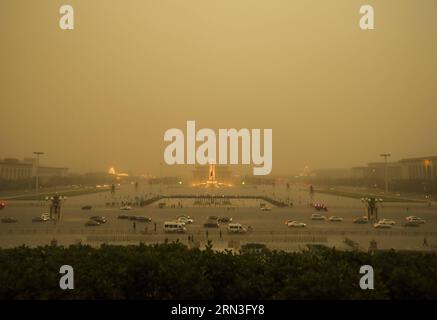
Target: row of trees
57,181
425,187
172,271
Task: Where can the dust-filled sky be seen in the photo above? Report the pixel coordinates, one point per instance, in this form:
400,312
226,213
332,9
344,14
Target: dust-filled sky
103,94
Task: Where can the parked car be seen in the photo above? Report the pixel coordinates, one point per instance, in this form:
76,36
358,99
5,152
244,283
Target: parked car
174,227
123,216
236,228
296,224
9,220
317,216
92,223
98,219
224,220
335,219
87,207
126,208
387,221
382,225
361,220
212,218
266,208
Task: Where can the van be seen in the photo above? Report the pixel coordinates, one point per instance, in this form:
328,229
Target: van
236,228
177,227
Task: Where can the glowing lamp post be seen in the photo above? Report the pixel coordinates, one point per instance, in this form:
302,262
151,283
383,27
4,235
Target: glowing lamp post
372,208
55,206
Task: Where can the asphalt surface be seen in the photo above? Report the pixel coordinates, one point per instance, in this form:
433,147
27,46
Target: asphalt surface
268,226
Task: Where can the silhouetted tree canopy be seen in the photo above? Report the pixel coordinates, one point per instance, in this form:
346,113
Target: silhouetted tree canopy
172,271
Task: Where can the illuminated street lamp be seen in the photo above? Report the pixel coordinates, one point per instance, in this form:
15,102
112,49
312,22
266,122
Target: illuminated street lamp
55,206
37,153
372,208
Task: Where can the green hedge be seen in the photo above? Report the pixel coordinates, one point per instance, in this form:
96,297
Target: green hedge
172,271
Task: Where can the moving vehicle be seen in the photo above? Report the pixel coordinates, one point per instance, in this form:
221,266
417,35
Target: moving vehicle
387,221
123,216
320,207
224,220
411,224
143,219
382,225
317,216
173,226
185,220
236,228
9,220
2,205
335,219
98,219
361,220
415,219
41,218
126,208
296,224
212,218
87,207
92,223
161,205
266,208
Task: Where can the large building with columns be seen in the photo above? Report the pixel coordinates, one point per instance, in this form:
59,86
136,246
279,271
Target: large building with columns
14,169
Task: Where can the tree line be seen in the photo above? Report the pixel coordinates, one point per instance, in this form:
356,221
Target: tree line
173,271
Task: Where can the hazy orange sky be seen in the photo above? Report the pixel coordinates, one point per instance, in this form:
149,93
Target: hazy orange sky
103,94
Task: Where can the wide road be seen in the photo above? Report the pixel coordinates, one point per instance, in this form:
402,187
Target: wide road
268,227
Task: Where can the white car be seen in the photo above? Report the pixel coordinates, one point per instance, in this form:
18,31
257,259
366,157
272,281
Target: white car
317,216
415,219
335,219
266,208
174,227
185,220
41,219
387,221
236,228
380,225
126,208
296,224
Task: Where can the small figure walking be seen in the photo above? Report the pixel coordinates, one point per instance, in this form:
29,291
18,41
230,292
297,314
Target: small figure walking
135,226
220,234
425,242
206,232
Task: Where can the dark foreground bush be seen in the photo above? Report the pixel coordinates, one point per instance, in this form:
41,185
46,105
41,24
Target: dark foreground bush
172,271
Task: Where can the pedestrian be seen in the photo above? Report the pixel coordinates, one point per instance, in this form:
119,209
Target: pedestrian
220,233
155,227
425,242
135,226
206,232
